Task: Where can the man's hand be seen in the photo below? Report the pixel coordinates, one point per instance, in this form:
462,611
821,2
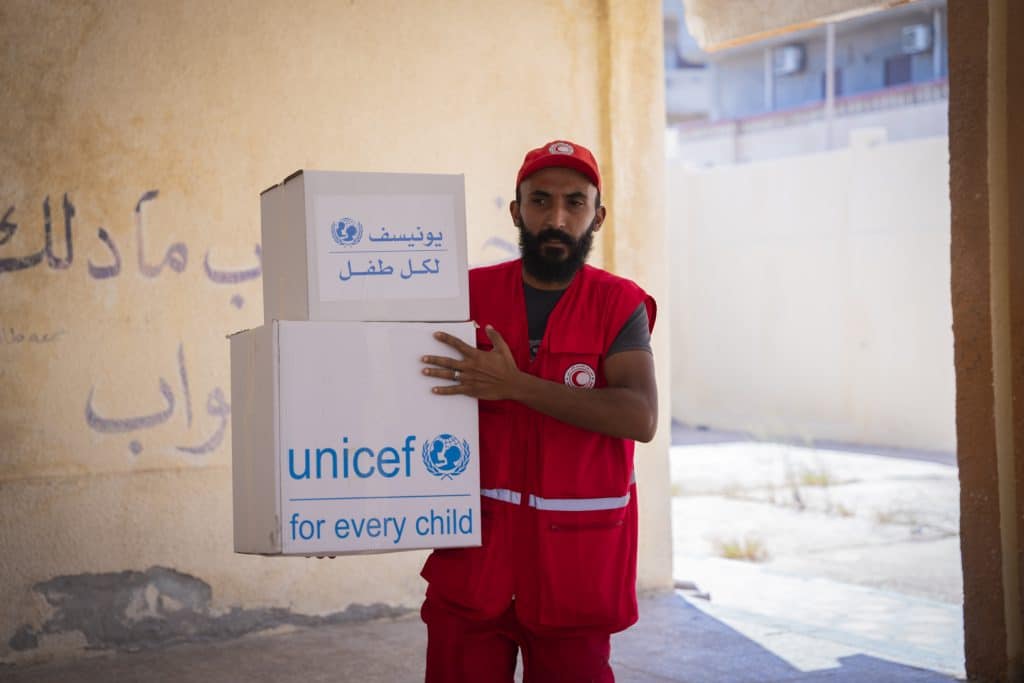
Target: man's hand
627,407
489,375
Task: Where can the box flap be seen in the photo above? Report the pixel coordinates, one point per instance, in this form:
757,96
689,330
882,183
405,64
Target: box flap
293,175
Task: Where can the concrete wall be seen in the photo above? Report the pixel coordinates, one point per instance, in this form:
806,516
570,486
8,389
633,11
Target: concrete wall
738,85
137,137
811,296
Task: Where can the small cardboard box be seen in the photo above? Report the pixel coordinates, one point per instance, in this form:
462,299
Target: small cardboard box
339,446
365,246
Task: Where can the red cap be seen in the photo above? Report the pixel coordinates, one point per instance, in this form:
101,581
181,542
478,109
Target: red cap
564,154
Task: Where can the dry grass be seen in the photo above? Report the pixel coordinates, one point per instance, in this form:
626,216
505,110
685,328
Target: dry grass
839,510
897,516
749,549
815,477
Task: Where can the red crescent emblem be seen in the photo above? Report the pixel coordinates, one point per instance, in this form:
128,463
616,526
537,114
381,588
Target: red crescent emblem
581,376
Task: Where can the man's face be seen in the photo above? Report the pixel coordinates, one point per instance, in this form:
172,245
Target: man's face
557,216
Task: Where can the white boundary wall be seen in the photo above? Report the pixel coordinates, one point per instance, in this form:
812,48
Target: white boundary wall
811,296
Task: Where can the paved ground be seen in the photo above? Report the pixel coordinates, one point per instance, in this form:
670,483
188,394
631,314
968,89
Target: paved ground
855,578
674,642
859,549
856,518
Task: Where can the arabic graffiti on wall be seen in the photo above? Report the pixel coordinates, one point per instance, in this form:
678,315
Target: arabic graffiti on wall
57,252
13,335
216,407
175,258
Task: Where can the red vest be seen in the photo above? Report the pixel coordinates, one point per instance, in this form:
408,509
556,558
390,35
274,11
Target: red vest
558,502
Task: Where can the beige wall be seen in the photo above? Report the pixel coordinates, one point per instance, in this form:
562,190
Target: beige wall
812,296
208,103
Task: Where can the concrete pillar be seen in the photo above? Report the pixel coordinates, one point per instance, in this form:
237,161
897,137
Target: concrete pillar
986,97
633,132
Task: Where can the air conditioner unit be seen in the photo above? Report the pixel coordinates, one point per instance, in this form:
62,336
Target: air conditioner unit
788,59
916,38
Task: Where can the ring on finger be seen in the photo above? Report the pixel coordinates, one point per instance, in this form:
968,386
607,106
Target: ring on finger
455,375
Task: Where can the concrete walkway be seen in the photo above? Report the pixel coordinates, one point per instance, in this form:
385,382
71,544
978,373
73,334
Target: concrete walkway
856,548
846,568
674,641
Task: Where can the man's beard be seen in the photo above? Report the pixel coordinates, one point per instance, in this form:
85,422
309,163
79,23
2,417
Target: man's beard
549,265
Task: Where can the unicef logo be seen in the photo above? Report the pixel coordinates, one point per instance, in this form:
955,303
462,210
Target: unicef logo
347,231
446,456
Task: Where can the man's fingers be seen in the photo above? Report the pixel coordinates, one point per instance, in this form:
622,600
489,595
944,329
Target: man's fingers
451,389
454,342
443,373
440,361
497,339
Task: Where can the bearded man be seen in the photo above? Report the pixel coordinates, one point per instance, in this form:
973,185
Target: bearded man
565,377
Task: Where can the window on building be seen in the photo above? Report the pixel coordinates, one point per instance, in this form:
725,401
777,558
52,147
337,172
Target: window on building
897,70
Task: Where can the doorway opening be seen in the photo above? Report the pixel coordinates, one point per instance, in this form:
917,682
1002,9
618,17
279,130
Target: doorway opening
815,486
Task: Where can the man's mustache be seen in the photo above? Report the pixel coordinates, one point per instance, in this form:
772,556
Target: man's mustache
557,235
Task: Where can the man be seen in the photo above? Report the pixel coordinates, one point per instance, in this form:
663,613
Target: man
565,377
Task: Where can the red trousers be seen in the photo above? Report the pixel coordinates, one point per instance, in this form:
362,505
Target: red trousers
462,650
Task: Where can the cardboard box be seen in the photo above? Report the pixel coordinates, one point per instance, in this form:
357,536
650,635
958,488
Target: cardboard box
365,246
339,446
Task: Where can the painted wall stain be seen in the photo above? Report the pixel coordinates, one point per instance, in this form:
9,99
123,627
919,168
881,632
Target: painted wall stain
133,610
24,639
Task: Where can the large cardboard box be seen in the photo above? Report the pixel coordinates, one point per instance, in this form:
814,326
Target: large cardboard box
339,446
365,246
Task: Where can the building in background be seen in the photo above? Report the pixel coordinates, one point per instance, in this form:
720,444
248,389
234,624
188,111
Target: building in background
773,97
810,293
687,83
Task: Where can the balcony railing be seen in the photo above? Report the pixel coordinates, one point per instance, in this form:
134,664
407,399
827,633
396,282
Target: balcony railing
859,103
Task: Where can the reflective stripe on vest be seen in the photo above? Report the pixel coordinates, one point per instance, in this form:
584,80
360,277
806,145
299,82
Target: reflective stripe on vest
504,495
558,504
578,504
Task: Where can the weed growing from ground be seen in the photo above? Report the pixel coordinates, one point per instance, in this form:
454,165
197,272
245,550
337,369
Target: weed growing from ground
749,549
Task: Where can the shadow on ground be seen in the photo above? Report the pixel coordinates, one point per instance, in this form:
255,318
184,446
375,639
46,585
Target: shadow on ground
676,641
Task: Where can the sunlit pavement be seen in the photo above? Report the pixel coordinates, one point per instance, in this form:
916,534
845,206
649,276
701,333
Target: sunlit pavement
857,550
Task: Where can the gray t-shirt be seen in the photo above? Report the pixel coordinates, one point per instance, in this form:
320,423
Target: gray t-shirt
635,334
